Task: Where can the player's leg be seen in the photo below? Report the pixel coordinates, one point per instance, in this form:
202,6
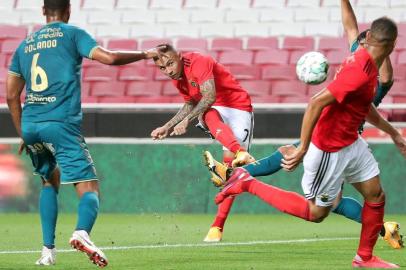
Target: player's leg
76,166
44,165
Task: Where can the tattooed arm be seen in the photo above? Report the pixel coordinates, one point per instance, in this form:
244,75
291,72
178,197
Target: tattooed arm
208,91
161,132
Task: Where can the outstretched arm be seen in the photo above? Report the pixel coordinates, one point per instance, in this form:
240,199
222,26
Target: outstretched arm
108,57
378,121
349,21
310,118
161,132
208,91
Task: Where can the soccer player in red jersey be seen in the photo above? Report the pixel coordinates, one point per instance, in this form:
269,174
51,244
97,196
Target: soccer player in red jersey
332,151
213,95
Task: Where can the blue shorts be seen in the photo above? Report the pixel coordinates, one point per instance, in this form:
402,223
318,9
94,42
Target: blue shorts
52,144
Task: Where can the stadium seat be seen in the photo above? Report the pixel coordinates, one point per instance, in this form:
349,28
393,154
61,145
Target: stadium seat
295,55
402,29
132,4
113,31
286,72
30,17
10,18
242,16
7,5
399,72
217,30
200,4
90,99
398,89
191,44
298,43
259,44
147,31
136,73
122,99
289,88
397,3
277,15
28,5
13,32
400,44
245,72
307,14
166,4
3,60
92,5
10,45
111,88
182,30
138,17
105,17
151,43
265,99
122,44
301,3
159,76
170,90
260,30
226,44
2,89
314,89
268,4
327,44
106,74
147,89
293,99
234,4
257,88
236,57
337,57
3,74
271,57
167,16
85,89
323,29
373,3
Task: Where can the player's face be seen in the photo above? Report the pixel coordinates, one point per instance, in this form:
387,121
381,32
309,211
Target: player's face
171,65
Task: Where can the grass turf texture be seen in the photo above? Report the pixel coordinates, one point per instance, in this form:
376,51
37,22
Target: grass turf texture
142,233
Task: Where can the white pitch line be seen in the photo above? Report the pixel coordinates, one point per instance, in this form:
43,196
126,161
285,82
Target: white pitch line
224,244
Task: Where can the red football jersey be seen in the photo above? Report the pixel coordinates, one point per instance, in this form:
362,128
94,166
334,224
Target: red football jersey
354,89
199,68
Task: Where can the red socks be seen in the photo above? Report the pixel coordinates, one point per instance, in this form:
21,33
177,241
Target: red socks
220,131
372,221
285,201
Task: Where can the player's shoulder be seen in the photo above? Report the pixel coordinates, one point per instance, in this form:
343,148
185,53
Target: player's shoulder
364,61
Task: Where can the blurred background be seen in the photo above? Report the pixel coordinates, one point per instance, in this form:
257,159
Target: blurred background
258,40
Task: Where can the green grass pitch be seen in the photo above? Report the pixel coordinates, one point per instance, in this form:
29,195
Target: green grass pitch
250,242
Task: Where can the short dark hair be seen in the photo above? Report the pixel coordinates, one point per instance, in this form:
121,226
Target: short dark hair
362,35
56,4
384,30
165,47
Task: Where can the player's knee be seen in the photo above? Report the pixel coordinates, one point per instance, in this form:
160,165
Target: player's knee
318,214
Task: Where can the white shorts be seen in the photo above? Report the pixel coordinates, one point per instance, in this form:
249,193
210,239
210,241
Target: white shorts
240,122
324,173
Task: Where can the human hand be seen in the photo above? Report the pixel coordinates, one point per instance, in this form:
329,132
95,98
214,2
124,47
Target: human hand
180,128
400,144
292,157
159,133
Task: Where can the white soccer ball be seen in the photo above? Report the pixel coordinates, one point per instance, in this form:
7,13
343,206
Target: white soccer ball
312,68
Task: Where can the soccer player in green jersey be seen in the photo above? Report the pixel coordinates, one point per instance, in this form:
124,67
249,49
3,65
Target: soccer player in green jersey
48,63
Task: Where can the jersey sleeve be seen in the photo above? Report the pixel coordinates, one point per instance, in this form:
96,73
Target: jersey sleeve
85,43
14,68
203,68
349,79
354,46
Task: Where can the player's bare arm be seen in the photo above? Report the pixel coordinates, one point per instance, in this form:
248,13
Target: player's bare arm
386,72
375,118
349,21
108,57
208,91
15,86
162,132
310,118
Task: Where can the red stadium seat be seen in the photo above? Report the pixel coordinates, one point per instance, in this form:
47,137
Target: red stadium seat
295,55
100,74
10,45
4,60
2,89
314,89
271,57
402,58
149,88
279,73
236,57
85,89
265,99
226,44
245,72
298,43
13,32
90,99
289,88
122,99
259,44
159,76
399,72
92,63
191,44
170,90
398,89
257,88
136,73
337,57
3,74
122,44
294,99
160,99
111,88
151,43
401,44
327,44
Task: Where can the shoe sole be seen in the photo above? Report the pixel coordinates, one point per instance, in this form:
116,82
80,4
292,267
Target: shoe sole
94,257
211,240
209,163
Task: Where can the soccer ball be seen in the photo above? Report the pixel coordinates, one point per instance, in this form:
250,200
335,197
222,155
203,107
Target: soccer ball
312,68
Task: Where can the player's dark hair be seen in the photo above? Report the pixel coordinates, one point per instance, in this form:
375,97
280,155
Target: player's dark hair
165,47
384,30
56,5
362,35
